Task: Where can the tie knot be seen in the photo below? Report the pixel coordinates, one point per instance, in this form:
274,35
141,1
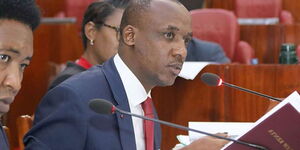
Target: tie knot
147,106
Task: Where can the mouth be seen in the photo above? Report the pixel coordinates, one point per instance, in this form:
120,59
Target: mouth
4,104
176,68
7,100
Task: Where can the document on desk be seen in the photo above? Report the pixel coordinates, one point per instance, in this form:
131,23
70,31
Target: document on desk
278,129
234,129
191,69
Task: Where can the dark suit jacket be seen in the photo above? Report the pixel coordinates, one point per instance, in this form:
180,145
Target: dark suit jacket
199,50
3,139
64,121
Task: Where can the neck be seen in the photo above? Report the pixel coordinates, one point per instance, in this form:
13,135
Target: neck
133,65
91,57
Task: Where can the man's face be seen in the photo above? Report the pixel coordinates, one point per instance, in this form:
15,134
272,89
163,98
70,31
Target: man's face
16,50
161,42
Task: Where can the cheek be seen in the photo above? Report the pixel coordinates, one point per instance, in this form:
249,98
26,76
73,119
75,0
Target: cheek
107,40
2,77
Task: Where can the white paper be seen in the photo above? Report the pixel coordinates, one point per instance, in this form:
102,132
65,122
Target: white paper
258,21
191,69
232,128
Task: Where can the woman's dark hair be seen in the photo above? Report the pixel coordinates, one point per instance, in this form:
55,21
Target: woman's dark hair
97,12
25,11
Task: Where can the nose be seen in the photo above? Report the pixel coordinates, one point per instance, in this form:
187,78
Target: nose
13,78
180,50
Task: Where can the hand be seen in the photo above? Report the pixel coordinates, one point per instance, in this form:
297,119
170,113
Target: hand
207,143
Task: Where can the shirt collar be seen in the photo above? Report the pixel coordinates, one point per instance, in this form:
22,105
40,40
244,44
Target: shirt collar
134,89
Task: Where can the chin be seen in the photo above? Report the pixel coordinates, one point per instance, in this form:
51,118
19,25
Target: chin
167,82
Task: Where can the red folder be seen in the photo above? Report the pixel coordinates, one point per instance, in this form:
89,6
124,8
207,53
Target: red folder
280,131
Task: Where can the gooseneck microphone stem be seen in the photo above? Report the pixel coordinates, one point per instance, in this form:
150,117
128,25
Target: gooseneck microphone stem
190,129
250,91
214,80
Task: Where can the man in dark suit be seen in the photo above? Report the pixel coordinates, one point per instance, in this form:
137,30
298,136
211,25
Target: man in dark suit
18,19
199,50
154,36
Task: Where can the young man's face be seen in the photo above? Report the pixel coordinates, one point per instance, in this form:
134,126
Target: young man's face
16,50
161,42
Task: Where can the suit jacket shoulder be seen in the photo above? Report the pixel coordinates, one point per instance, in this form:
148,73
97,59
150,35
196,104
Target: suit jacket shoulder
199,50
63,119
3,140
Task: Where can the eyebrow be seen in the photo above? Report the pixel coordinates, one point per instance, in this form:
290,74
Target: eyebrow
170,27
18,53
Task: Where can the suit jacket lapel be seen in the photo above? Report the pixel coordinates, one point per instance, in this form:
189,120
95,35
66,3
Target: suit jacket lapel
125,122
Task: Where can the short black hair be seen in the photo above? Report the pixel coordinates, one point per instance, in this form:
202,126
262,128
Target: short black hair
134,12
97,12
25,11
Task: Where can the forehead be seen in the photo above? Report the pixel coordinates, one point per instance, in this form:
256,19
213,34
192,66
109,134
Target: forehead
17,36
164,13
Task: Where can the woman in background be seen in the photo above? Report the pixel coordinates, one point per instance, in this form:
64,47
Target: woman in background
100,32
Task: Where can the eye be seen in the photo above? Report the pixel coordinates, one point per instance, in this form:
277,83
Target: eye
4,58
169,35
187,41
23,66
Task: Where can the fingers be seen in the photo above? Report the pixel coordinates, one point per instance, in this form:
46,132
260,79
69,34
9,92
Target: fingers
208,143
224,134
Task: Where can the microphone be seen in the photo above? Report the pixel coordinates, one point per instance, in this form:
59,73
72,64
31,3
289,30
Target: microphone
102,106
214,80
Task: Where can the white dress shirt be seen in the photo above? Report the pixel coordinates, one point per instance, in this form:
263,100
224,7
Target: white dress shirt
136,94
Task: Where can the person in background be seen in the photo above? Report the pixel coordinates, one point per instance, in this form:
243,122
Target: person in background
199,50
18,19
153,40
100,29
99,33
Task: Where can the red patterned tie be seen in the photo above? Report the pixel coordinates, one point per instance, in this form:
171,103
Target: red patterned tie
148,125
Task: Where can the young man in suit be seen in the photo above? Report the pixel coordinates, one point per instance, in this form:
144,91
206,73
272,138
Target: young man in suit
18,19
154,36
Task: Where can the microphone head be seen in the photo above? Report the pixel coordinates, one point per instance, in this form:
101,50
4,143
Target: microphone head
101,106
211,79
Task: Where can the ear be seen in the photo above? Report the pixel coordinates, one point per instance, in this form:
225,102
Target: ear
90,30
129,35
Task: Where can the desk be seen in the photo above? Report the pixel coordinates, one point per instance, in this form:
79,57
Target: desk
266,40
192,100
292,6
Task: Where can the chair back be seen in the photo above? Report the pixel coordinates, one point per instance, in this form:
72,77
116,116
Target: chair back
24,123
216,25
